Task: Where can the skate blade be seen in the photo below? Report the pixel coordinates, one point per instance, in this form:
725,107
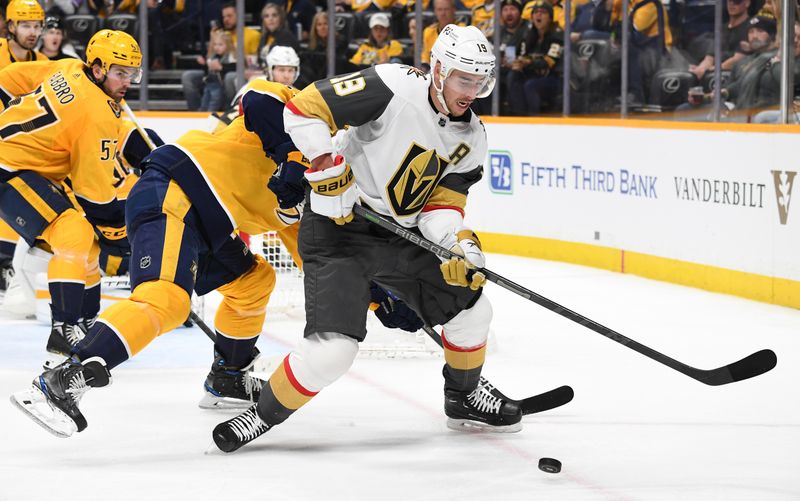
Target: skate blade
214,402
473,426
33,403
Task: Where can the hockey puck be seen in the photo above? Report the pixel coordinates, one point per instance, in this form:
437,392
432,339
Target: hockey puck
550,465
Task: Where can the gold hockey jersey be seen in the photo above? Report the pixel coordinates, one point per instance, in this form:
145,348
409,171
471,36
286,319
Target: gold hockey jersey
7,57
62,124
236,162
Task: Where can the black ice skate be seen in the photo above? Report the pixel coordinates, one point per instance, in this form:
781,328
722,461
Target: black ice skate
228,387
87,323
53,399
481,409
63,337
240,430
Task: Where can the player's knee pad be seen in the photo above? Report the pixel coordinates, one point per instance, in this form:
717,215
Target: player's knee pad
241,313
470,328
71,238
153,308
165,304
322,358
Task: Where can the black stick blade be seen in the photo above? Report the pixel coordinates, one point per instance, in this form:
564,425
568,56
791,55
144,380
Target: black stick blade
750,366
548,400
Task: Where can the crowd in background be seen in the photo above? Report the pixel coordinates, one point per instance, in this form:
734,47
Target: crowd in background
670,56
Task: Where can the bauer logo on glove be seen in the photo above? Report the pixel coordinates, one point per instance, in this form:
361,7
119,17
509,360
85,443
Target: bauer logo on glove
333,191
336,186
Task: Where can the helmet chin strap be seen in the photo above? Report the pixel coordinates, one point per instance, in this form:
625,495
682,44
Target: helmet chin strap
440,92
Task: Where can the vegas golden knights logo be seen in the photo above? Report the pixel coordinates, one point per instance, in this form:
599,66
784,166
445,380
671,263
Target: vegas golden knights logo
783,192
414,180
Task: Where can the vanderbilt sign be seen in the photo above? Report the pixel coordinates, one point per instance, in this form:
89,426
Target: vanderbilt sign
784,180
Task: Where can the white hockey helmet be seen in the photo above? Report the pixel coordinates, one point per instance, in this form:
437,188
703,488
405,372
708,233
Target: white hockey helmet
465,49
280,55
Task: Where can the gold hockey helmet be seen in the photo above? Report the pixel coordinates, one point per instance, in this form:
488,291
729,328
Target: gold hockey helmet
24,10
113,47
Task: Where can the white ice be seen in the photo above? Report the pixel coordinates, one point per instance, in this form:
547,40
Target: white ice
635,431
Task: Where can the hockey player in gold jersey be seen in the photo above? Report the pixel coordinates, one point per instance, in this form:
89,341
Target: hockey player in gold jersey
25,20
182,217
66,124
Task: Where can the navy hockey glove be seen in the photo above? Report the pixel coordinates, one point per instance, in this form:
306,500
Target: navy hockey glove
113,240
392,312
287,183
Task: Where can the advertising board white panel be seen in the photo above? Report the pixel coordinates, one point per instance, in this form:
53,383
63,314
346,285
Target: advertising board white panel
717,198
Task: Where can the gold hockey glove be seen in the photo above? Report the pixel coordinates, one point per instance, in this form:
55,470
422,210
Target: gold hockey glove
458,270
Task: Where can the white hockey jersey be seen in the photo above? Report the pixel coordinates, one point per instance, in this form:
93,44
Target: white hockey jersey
407,158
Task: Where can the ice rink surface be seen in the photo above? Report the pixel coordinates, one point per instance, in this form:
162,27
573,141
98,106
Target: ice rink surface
636,430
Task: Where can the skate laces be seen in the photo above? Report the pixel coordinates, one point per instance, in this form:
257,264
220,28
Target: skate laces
481,399
248,425
77,386
73,334
251,384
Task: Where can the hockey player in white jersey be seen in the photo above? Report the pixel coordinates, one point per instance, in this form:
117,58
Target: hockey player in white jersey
412,150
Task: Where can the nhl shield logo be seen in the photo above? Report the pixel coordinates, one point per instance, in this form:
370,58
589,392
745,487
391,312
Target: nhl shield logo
784,181
145,262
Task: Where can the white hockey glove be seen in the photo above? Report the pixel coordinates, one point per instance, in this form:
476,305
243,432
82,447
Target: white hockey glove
334,191
464,243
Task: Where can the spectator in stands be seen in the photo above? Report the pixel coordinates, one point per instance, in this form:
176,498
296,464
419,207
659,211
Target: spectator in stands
299,16
734,40
558,11
192,80
410,5
483,17
370,5
534,77
220,61
274,30
411,49
379,48
651,39
773,116
314,61
512,30
251,36
52,42
755,79
445,12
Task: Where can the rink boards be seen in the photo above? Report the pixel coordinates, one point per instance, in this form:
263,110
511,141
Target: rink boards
705,205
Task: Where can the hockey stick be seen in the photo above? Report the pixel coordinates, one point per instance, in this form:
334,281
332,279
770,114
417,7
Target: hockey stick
750,366
530,405
138,126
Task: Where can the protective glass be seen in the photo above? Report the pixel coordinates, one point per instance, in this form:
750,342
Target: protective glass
462,82
30,26
129,73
